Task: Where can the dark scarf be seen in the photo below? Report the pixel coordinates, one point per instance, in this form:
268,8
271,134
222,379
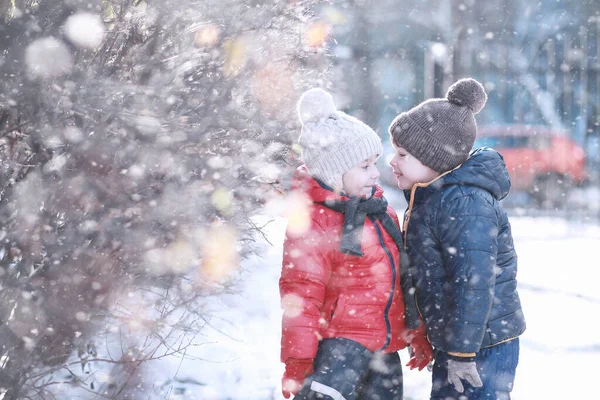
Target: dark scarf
355,211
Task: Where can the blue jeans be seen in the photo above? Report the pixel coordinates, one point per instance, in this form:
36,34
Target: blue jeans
346,370
496,366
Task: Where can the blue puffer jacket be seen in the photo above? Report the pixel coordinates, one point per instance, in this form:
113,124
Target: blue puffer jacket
464,262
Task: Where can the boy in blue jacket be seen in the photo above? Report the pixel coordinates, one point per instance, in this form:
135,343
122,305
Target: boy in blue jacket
460,245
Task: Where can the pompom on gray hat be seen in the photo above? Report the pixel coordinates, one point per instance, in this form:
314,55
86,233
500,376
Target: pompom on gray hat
441,132
332,142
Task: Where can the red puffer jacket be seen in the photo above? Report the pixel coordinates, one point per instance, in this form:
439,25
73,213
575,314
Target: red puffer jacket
326,293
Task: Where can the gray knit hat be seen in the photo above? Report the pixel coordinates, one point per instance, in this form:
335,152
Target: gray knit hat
332,142
440,132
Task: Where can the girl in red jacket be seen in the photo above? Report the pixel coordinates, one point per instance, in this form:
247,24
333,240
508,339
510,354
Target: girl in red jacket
345,285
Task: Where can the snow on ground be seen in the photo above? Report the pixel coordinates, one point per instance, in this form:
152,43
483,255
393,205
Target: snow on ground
560,350
558,285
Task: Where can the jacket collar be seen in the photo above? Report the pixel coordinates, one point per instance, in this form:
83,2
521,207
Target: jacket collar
484,168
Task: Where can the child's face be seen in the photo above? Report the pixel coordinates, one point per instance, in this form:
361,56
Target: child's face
359,180
409,170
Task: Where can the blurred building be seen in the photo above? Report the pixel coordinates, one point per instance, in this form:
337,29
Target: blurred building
539,60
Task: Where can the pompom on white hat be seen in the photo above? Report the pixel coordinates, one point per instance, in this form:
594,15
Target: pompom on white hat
332,142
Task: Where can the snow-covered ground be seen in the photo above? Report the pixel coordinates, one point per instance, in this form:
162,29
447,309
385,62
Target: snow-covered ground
560,351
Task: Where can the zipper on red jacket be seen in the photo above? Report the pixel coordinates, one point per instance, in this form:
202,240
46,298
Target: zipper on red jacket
388,326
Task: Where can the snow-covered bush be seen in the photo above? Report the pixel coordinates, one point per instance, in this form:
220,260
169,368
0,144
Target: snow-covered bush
137,139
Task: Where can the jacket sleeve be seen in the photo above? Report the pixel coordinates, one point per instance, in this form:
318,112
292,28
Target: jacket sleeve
468,231
305,272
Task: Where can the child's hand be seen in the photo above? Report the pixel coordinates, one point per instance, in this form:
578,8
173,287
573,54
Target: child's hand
418,362
421,353
293,377
466,370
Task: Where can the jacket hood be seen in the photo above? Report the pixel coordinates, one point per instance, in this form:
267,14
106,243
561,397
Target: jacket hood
485,168
317,190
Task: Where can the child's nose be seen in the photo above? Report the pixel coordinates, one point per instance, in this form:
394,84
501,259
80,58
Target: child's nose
376,173
392,161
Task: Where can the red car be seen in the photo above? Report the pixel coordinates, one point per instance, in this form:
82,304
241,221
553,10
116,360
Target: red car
545,162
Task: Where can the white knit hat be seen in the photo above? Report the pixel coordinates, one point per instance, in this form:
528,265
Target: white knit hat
332,142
